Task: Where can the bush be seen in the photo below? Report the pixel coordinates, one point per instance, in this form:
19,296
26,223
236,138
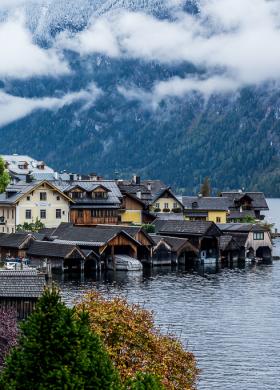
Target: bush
8,332
149,228
166,210
57,350
135,344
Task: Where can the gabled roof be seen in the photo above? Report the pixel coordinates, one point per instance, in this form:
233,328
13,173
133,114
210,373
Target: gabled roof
19,190
176,244
93,236
51,249
21,284
259,201
15,240
228,242
191,228
171,194
205,203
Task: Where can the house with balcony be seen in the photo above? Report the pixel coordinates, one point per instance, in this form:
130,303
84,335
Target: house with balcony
242,205
27,202
93,202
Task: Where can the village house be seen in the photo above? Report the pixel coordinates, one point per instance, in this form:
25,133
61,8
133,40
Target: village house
245,204
199,208
26,202
254,238
14,244
166,201
93,202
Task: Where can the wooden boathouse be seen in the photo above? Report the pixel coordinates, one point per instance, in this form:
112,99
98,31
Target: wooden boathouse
20,290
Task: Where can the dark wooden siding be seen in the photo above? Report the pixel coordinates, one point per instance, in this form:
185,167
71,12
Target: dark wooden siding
84,217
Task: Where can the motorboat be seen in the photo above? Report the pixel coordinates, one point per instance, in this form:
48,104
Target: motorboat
124,263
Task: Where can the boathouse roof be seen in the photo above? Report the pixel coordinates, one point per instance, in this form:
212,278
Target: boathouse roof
192,228
175,243
16,240
21,284
51,249
241,227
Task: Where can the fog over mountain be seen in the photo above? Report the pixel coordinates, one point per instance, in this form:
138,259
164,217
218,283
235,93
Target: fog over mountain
171,89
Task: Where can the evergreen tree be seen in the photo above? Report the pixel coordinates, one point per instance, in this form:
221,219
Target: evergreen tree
8,332
4,176
205,189
144,382
57,350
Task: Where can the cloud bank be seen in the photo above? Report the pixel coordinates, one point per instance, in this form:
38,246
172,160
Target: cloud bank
13,107
237,39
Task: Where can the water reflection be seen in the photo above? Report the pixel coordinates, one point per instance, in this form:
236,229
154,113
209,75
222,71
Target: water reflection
227,315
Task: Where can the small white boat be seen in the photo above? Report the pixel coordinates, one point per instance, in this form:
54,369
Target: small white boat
208,260
124,263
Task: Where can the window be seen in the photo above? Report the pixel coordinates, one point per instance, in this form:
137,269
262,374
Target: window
12,213
43,196
218,219
157,206
63,212
259,236
58,198
175,205
43,214
166,205
58,213
28,214
28,198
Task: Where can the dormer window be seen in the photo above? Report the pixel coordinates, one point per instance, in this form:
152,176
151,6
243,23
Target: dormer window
100,195
194,205
78,195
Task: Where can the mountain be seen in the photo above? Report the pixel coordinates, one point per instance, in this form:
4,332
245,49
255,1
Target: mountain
231,137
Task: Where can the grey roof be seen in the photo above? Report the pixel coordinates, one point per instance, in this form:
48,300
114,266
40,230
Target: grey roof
174,242
236,214
95,236
114,194
258,199
169,216
15,160
51,249
228,242
156,185
15,240
186,227
240,227
21,284
134,189
205,203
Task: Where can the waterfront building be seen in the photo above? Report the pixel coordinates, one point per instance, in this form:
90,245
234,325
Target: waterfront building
20,290
203,235
14,244
26,202
199,208
254,238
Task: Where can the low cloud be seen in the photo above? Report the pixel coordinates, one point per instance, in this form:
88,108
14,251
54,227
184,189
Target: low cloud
14,107
238,39
21,58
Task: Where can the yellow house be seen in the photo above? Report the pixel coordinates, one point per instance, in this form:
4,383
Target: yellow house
166,202
132,210
198,208
26,202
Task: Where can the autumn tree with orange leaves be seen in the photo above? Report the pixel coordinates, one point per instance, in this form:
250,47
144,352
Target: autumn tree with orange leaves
136,345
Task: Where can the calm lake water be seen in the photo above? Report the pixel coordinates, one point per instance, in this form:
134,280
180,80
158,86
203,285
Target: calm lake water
229,317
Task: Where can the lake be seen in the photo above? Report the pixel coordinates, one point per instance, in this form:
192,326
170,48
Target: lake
228,317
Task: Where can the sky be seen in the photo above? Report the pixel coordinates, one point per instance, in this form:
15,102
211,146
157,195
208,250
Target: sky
235,43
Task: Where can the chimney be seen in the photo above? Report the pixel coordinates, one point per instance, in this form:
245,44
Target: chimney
138,194
55,175
29,178
149,186
71,177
